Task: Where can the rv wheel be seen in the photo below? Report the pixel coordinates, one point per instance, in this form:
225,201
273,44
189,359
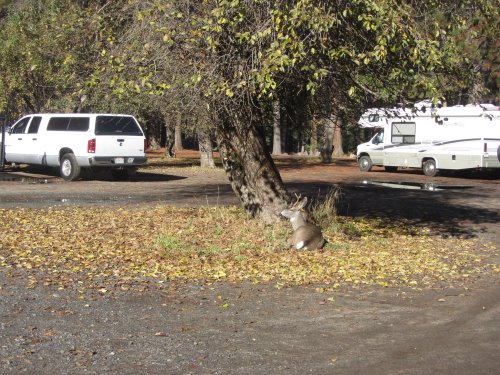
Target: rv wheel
365,163
429,168
69,168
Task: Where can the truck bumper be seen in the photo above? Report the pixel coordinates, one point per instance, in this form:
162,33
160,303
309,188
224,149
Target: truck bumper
117,161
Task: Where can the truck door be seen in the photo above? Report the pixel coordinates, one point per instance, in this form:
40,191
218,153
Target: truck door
16,145
34,154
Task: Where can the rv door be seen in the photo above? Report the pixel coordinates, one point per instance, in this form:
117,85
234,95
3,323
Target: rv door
377,151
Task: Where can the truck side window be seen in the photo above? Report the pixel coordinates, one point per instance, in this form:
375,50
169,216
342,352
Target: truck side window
74,124
58,124
35,124
79,124
20,127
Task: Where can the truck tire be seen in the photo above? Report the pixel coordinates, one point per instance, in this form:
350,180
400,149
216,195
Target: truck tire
69,168
365,163
429,168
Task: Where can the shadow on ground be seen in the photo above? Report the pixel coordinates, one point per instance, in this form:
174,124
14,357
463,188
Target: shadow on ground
42,174
447,212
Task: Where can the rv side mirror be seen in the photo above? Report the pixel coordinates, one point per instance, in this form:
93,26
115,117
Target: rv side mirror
373,117
375,140
8,129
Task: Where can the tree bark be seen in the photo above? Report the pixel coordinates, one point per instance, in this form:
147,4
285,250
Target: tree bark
169,138
326,152
338,150
314,137
178,132
153,143
276,128
250,169
206,149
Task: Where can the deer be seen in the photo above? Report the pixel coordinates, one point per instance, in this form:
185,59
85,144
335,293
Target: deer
306,236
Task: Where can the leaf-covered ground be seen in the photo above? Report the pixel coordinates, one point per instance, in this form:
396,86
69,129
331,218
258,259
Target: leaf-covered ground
109,249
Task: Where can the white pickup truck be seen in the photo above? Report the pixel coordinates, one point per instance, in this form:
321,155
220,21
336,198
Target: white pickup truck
75,141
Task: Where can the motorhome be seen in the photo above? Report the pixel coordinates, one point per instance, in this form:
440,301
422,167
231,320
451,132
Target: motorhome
431,138
74,141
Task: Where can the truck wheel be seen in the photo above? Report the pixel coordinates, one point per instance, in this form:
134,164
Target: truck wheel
69,168
365,163
429,168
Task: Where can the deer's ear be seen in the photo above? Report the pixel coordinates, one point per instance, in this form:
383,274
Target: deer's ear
302,203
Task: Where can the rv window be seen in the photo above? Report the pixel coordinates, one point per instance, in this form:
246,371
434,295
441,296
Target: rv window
403,132
117,125
373,118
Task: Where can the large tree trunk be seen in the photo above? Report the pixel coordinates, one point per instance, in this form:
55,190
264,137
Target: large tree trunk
250,169
206,149
338,150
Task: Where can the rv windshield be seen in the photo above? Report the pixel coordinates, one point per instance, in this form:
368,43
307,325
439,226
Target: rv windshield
117,125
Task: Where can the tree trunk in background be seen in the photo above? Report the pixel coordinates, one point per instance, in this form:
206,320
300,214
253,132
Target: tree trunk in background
169,138
314,137
250,169
284,130
338,150
153,142
276,129
326,152
178,132
206,149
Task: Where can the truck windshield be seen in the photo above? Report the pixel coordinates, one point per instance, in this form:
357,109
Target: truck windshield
117,125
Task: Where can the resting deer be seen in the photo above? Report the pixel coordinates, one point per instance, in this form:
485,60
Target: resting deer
306,236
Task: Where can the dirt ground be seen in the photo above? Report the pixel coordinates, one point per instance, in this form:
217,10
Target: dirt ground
257,329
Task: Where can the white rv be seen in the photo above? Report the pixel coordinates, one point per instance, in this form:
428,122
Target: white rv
447,138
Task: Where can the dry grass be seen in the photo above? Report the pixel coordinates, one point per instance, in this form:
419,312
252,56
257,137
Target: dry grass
105,249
